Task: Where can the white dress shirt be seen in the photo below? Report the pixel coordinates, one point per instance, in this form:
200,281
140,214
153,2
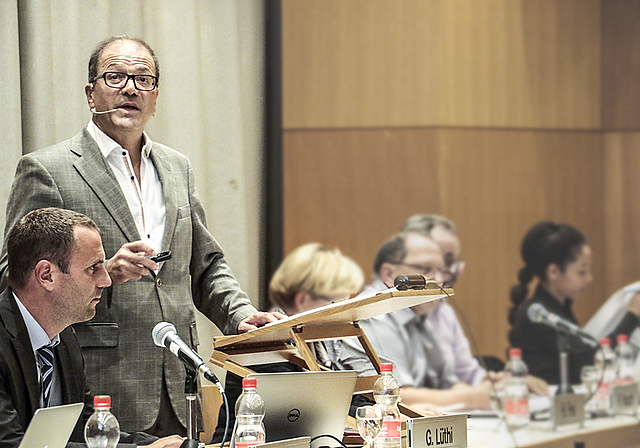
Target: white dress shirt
39,338
144,195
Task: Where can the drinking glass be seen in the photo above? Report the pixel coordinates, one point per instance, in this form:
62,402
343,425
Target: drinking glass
369,421
589,379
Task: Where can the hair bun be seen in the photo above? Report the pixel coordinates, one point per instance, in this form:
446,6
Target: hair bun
525,276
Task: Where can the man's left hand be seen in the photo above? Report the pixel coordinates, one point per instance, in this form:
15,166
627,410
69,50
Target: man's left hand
258,319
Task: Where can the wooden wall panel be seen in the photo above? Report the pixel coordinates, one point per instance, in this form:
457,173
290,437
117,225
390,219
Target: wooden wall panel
620,64
360,63
521,63
352,189
495,113
622,209
497,63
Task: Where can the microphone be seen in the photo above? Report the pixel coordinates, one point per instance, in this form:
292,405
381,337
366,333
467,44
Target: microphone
95,112
165,335
539,314
404,282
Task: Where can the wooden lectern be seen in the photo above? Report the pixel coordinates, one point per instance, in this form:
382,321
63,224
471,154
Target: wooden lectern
272,343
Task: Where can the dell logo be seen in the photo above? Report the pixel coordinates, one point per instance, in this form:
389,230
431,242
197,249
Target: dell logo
293,415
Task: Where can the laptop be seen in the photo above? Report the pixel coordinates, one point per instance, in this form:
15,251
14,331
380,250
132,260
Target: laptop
306,404
52,427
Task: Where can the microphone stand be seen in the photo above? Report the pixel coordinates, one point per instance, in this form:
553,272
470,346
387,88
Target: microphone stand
564,345
191,394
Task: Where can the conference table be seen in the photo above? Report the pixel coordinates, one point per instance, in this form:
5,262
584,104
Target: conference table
619,431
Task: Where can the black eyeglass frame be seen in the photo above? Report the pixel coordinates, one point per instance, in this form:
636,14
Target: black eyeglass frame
129,77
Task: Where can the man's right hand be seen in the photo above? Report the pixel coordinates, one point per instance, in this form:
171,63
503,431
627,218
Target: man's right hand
131,262
167,442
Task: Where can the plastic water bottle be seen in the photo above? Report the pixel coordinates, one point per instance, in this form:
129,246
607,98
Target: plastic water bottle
516,394
102,429
249,414
386,392
624,355
605,362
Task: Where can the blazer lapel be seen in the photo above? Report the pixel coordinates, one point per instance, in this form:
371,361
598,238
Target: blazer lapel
13,322
97,173
163,168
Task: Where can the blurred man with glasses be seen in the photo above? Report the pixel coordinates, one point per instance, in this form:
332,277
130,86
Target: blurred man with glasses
405,337
442,318
142,195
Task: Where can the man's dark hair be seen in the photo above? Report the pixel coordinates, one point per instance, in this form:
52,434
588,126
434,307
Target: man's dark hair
95,56
426,223
392,251
43,234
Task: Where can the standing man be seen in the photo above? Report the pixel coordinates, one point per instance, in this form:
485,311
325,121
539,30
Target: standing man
56,278
142,195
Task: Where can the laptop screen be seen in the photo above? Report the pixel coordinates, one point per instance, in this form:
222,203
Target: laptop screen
306,403
52,427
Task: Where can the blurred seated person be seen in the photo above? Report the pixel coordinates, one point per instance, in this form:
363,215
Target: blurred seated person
309,277
558,256
405,337
443,319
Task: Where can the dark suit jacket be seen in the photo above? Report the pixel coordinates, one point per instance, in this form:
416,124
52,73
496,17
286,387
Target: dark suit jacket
121,359
19,387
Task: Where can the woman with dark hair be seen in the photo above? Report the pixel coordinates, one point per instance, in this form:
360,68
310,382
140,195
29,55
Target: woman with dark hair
559,257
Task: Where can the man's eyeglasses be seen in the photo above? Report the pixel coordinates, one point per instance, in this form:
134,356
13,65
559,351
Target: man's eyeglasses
118,80
427,271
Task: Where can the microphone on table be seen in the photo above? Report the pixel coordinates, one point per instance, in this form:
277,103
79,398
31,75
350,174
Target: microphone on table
165,335
404,282
95,112
539,314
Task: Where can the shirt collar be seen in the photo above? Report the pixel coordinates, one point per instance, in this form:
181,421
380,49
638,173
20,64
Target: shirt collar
403,316
107,144
37,335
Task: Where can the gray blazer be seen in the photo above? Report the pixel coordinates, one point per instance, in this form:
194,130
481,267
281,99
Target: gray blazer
121,359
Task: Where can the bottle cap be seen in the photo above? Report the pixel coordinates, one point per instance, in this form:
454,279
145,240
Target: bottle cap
249,383
102,401
622,338
386,367
605,341
515,352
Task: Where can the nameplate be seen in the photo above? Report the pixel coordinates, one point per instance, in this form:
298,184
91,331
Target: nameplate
442,432
624,398
298,442
567,409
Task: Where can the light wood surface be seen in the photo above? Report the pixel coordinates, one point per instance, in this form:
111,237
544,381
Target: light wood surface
350,310
497,63
620,65
622,209
611,432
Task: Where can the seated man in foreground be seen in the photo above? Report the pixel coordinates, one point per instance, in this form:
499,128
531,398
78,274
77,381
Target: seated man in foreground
56,278
405,336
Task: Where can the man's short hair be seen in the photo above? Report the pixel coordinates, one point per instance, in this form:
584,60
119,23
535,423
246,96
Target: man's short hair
43,234
317,271
392,251
425,224
95,55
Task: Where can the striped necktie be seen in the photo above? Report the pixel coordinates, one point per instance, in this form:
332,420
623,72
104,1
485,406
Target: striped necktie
46,373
